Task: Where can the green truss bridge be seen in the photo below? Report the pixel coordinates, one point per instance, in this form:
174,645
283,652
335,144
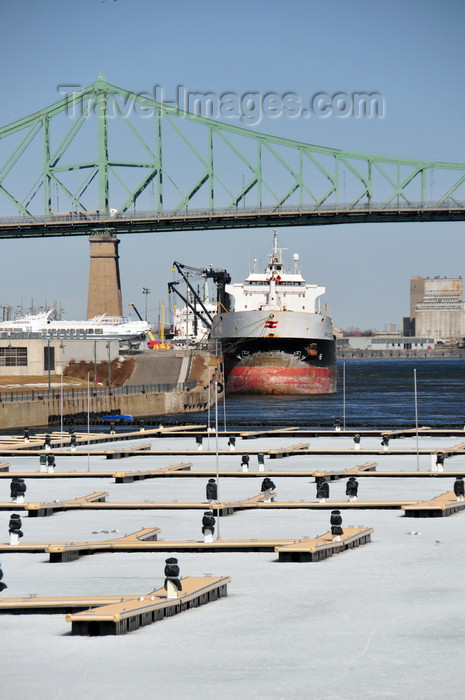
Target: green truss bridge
105,159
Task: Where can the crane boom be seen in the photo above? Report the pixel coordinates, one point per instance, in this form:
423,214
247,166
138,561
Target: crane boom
149,332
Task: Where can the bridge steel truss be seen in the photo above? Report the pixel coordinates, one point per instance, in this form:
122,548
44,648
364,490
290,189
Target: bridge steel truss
274,181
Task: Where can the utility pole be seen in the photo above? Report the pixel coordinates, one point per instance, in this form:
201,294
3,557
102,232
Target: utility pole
146,292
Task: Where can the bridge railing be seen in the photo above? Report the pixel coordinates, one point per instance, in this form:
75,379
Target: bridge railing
70,217
93,391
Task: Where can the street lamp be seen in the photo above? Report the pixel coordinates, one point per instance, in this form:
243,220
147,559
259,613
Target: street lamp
146,292
95,363
48,361
62,347
109,366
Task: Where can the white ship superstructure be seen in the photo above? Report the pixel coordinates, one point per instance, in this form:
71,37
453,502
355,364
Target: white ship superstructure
277,339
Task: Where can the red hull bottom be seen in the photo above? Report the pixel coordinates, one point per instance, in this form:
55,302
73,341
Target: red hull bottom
282,380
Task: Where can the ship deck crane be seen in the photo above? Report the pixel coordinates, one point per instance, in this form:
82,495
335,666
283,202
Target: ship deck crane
220,277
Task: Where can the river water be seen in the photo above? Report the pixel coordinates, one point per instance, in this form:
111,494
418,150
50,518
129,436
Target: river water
377,393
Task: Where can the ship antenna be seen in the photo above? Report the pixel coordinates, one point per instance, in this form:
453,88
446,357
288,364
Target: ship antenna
275,234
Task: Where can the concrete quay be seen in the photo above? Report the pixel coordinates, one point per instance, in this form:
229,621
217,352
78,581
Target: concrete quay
201,367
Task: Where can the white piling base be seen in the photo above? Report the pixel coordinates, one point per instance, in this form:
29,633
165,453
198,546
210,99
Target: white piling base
171,590
336,538
19,499
200,447
50,470
43,468
47,448
357,446
232,447
337,428
322,500
433,463
386,447
261,467
73,448
245,468
208,536
460,498
26,439
14,538
352,498
267,496
439,467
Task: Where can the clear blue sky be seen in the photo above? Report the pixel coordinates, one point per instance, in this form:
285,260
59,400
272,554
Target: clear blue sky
410,52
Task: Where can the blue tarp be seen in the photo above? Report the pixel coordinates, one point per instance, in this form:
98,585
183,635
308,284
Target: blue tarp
122,417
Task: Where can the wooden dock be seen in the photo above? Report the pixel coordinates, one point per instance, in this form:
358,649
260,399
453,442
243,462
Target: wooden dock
120,477
440,507
69,551
115,615
128,477
287,451
145,540
351,471
132,451
184,470
324,546
37,510
97,501
129,615
278,432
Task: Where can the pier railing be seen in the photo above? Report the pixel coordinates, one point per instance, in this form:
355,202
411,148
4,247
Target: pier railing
92,391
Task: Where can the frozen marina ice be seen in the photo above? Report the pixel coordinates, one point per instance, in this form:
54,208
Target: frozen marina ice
382,621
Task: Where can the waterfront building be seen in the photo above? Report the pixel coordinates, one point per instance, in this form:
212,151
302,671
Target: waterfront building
437,309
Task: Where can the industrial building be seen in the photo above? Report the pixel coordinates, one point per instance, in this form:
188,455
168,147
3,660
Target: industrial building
437,309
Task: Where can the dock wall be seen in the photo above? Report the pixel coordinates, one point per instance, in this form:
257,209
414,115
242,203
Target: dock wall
37,412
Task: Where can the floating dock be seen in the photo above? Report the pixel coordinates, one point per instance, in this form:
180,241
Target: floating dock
324,546
69,551
440,507
116,615
127,616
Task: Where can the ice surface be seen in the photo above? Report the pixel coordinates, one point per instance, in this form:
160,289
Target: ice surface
381,621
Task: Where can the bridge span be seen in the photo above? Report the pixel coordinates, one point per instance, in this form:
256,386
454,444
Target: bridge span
65,171
87,224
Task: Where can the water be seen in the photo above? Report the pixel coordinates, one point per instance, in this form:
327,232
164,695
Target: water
378,393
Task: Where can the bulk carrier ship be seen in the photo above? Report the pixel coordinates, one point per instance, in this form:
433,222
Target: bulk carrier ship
276,341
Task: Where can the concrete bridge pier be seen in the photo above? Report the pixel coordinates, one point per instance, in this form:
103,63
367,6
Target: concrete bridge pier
104,296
